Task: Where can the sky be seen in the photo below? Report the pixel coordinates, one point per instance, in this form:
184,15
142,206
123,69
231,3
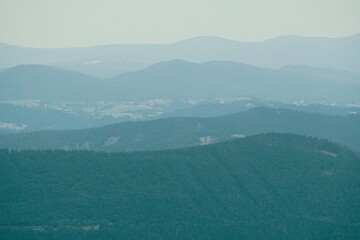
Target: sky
81,23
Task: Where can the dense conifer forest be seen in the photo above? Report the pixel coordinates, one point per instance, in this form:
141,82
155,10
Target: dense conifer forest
269,186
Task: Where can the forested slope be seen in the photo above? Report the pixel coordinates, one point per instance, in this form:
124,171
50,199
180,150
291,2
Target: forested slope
273,186
182,132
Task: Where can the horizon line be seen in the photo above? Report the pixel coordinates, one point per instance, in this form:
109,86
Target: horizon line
186,40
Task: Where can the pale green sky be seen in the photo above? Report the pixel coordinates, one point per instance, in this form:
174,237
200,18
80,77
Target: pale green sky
76,23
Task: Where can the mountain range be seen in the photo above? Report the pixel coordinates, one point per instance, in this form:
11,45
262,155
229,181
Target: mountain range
206,138
181,80
110,60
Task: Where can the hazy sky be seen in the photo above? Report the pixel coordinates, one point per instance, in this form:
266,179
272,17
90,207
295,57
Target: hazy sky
70,23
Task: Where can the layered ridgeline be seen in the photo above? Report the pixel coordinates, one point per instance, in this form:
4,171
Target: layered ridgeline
33,115
181,132
182,80
106,61
262,187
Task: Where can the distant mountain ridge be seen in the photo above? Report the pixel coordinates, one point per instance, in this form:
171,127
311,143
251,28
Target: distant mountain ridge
110,60
171,133
181,79
178,79
45,83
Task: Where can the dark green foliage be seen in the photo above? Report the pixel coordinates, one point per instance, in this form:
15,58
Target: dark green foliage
183,132
273,186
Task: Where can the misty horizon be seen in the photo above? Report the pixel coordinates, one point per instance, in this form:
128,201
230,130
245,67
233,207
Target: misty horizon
63,24
209,37
182,119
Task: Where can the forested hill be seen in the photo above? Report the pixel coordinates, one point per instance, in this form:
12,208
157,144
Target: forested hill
272,186
183,132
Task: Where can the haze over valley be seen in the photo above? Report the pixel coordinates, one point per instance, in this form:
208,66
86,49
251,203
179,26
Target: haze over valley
179,120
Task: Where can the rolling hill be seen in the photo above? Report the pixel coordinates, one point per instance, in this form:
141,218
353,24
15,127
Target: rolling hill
33,115
183,132
45,83
274,186
181,80
184,80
